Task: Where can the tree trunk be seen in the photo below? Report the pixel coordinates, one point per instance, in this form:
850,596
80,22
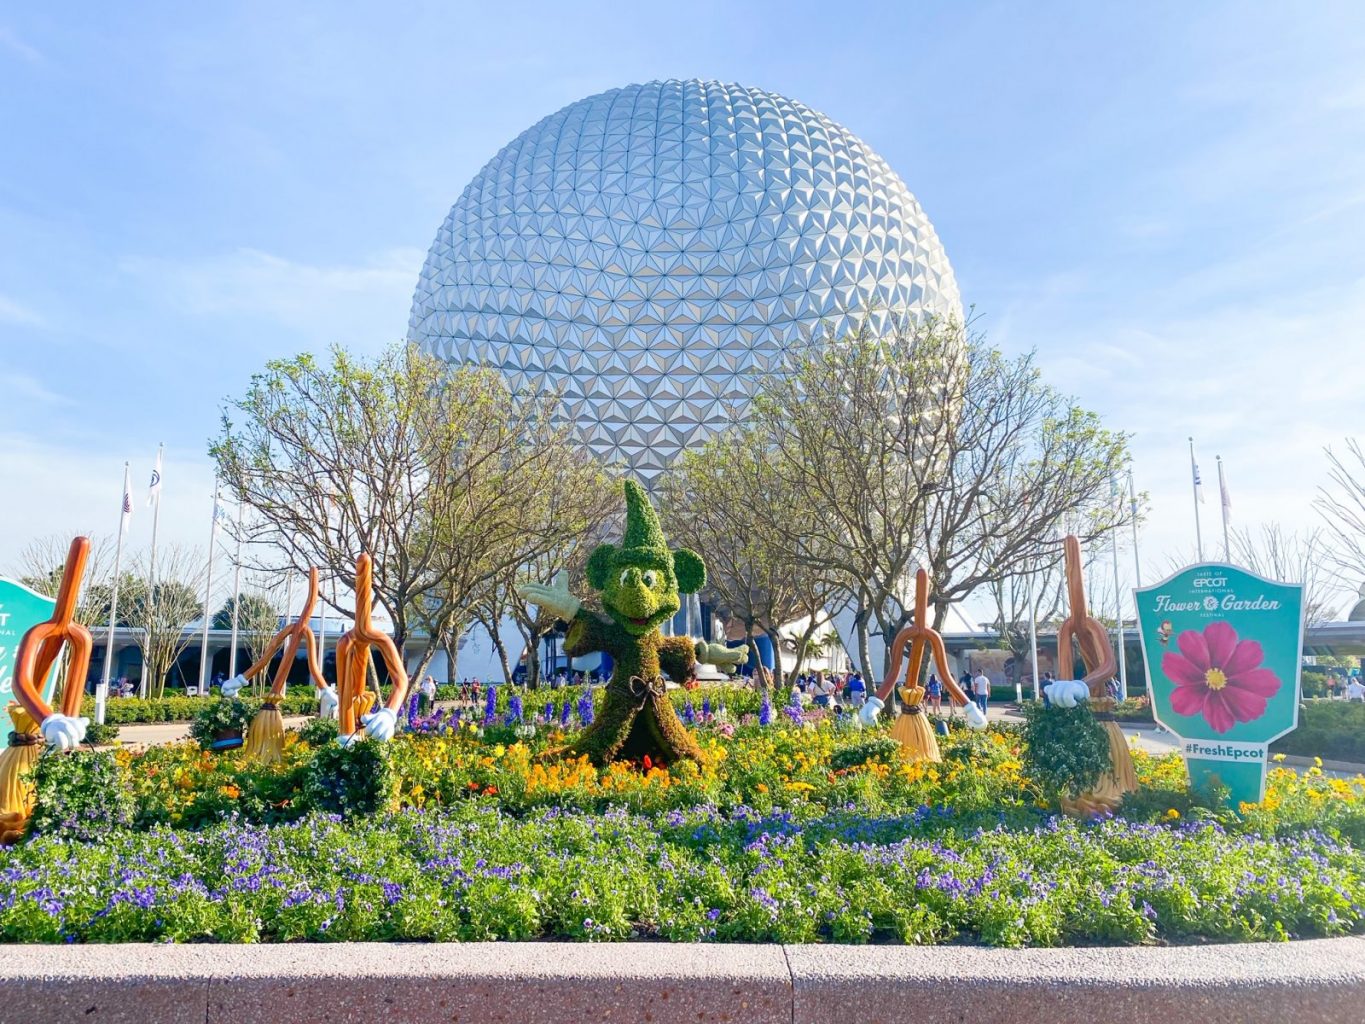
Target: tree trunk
864,648
452,661
532,661
502,656
940,615
804,646
776,640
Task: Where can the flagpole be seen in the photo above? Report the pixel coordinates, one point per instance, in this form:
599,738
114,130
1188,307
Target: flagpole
1194,484
125,513
236,595
208,591
1033,638
1223,504
155,497
1133,509
1118,608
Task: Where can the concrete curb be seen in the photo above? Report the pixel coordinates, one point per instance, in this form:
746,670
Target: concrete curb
1314,982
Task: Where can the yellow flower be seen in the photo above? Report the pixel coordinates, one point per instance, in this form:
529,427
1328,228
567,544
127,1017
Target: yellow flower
1172,814
762,788
499,750
801,787
1317,762
1278,758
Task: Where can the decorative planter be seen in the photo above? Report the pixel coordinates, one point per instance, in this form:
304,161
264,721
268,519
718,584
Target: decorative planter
227,739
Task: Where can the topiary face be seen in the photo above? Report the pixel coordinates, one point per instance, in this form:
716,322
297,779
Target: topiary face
641,581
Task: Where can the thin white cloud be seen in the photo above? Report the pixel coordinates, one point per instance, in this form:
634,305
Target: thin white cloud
24,388
13,312
364,305
10,41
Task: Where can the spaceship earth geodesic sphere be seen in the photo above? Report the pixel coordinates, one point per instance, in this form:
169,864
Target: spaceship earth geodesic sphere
653,251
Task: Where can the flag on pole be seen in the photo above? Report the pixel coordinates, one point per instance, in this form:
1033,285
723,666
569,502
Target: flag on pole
1198,480
154,488
126,518
1223,491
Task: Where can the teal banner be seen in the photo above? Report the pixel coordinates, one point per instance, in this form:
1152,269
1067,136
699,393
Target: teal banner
20,610
1223,648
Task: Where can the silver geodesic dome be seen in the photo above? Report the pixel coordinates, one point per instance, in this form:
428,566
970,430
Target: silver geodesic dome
652,251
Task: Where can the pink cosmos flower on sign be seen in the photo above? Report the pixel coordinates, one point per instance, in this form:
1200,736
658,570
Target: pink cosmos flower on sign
1218,676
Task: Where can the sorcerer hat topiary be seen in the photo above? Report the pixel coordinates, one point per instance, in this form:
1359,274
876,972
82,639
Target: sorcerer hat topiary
643,531
644,540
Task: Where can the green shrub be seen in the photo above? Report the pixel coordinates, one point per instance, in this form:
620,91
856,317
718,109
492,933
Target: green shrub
1334,729
136,710
81,796
101,734
221,716
318,732
1134,709
881,749
1065,749
354,781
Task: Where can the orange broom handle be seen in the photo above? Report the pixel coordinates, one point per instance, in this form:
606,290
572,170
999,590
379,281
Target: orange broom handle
920,635
43,643
358,640
1089,634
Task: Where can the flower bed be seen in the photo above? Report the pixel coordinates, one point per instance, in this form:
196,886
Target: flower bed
797,831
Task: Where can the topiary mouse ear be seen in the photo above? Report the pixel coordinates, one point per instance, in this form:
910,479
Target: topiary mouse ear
599,566
690,570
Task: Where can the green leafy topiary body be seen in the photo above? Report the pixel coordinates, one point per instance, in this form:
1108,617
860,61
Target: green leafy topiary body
640,583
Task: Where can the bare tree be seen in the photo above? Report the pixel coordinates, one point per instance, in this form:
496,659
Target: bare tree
566,513
1020,466
162,615
852,426
258,620
726,501
40,566
1342,506
921,445
424,466
1282,554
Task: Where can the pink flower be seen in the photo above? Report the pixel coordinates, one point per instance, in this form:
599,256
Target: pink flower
1219,676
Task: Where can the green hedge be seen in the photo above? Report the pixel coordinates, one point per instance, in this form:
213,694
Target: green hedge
1334,729
129,710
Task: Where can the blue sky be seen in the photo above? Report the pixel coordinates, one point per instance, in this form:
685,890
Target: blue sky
1166,200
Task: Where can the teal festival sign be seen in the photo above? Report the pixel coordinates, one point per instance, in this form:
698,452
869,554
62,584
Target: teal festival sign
1223,648
20,610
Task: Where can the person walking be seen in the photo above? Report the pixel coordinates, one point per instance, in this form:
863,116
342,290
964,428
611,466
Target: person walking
981,690
427,701
933,692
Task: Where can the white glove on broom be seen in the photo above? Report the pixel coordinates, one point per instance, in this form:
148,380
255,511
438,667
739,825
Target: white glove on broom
63,732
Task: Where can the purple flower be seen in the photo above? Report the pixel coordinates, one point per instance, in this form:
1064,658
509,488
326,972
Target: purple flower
585,714
689,714
490,705
765,713
564,715
514,709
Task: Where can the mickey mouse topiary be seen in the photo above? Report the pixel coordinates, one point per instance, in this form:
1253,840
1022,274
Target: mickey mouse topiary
640,583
